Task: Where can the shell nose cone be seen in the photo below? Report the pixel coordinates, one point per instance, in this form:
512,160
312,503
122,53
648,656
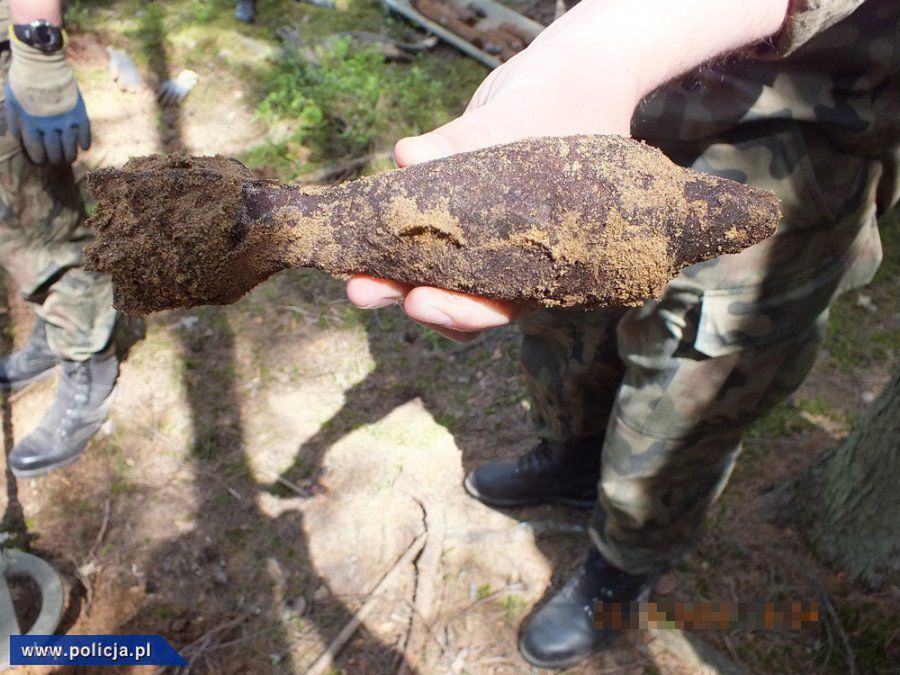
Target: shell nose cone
730,216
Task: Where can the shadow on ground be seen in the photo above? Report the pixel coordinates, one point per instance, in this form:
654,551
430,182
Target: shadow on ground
221,623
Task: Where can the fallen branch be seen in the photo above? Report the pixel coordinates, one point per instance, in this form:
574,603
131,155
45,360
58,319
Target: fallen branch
193,651
89,568
230,490
326,659
296,489
341,168
838,627
104,525
427,565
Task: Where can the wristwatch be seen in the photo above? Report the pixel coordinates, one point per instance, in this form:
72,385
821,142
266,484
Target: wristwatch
41,34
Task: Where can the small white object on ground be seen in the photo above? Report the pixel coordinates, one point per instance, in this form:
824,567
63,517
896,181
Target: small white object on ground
173,92
123,71
865,301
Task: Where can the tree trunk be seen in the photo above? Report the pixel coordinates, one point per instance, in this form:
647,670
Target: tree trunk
850,501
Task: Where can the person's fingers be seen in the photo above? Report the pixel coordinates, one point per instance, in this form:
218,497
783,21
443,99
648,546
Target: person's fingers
472,131
418,149
34,145
69,143
454,315
457,311
372,293
84,134
53,145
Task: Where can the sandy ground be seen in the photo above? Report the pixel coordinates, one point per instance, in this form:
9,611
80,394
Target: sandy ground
267,463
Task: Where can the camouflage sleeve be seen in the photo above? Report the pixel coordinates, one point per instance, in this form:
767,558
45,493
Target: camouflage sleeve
805,19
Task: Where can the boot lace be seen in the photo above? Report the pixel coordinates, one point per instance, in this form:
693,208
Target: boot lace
79,375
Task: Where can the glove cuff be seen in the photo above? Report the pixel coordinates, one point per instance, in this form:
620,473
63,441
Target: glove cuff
43,84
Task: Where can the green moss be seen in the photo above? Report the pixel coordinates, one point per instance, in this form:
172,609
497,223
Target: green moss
279,159
513,607
784,420
164,613
816,406
436,341
446,420
820,408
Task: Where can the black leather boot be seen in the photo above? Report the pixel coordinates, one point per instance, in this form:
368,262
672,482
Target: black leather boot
561,633
83,399
30,364
565,475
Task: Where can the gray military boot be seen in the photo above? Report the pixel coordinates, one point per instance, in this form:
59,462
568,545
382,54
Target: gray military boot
32,363
245,10
83,399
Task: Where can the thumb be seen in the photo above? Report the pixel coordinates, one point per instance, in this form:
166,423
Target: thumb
474,130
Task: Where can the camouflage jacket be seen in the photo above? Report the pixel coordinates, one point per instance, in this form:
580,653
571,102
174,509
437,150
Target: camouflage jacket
814,115
835,64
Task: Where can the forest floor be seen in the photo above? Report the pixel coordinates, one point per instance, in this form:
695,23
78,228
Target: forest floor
266,463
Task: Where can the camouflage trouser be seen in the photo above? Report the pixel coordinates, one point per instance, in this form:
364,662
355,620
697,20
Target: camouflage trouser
42,232
668,389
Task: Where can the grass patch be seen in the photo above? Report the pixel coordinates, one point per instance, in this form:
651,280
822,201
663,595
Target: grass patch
513,607
783,421
857,337
328,98
436,342
873,635
349,100
121,480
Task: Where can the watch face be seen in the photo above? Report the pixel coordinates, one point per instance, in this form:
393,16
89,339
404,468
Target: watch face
41,35
46,37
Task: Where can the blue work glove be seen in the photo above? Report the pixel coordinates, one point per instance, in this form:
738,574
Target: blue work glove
43,105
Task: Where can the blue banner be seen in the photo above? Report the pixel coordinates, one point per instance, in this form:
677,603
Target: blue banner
92,650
